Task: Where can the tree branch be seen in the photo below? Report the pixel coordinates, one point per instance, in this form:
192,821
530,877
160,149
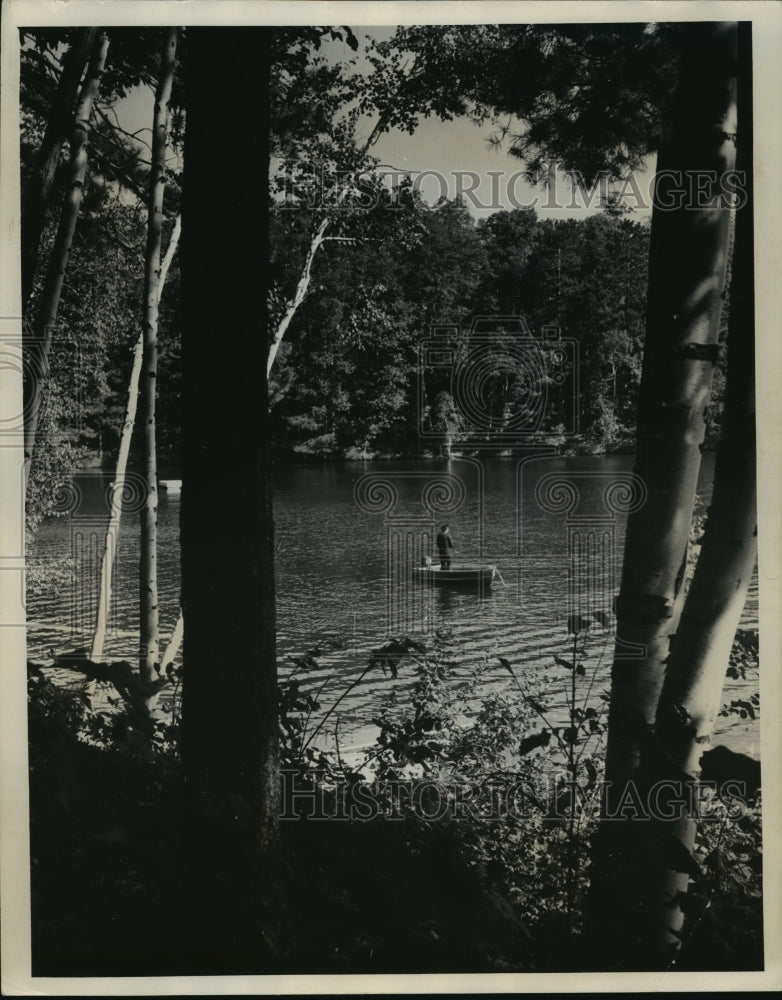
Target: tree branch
299,295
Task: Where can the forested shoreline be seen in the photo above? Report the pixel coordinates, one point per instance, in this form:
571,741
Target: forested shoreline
346,380
351,307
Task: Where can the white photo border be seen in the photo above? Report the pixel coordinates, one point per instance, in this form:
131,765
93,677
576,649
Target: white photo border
14,798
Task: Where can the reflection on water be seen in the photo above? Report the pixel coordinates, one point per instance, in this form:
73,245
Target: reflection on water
347,538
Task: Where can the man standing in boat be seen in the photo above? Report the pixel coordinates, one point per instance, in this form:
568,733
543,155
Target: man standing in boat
444,547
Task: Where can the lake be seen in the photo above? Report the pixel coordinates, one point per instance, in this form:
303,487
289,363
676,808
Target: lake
348,535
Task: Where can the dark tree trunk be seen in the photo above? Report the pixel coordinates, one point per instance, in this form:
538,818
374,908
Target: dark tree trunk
38,346
687,265
229,739
38,191
148,592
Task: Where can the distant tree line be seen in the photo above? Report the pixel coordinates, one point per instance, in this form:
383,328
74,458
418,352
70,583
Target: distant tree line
347,380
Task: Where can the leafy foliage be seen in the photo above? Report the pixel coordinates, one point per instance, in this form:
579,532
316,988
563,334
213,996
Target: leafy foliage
452,732
348,376
547,87
725,901
530,860
100,309
346,379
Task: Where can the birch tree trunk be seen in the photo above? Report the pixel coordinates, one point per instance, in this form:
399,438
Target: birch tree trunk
38,191
687,265
117,492
39,344
303,284
118,486
148,590
695,674
300,294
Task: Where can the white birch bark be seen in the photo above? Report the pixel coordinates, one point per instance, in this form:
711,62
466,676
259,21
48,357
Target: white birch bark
303,284
148,590
687,270
118,486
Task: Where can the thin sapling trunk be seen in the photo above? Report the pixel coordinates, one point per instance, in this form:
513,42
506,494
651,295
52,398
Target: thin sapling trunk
148,589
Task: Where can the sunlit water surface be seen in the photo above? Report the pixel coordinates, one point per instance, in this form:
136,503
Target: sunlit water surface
347,538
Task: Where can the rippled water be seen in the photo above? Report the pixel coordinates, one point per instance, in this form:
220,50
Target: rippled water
347,538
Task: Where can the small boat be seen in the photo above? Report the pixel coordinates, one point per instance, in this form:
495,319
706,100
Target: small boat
171,485
464,574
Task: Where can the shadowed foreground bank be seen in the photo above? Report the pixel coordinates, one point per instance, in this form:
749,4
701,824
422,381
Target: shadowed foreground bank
117,870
